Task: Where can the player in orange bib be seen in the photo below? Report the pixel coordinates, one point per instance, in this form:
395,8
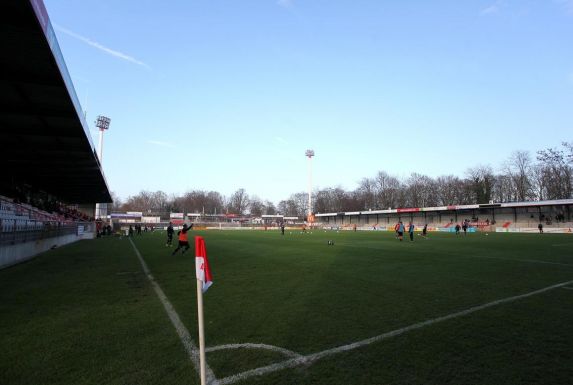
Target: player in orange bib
183,241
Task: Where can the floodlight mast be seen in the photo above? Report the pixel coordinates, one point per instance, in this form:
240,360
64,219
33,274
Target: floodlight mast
309,154
102,122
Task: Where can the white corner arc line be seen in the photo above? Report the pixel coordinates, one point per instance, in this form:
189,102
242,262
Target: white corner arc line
182,331
308,359
286,352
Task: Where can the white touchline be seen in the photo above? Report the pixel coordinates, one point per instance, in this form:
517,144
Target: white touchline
182,331
308,359
568,288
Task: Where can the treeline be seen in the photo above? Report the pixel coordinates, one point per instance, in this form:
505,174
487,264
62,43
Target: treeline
521,178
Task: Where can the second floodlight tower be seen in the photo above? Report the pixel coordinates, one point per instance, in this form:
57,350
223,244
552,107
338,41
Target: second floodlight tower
309,154
102,123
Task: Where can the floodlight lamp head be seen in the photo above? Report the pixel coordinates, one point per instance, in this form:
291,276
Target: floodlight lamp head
309,153
102,122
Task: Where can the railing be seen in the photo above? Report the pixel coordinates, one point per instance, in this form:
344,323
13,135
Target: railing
13,231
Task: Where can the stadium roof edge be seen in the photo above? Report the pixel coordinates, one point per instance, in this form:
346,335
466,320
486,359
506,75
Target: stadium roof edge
45,136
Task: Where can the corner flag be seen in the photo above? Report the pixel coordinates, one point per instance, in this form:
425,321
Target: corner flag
202,264
204,280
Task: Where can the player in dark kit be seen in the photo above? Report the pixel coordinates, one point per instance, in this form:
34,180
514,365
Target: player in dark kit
170,232
183,241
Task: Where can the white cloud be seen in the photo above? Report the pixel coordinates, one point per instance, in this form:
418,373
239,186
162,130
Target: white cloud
281,140
161,144
494,8
285,3
101,47
567,4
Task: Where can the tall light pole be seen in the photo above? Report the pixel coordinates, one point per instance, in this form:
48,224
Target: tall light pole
102,122
309,154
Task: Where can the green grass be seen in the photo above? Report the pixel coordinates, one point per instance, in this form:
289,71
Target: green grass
86,314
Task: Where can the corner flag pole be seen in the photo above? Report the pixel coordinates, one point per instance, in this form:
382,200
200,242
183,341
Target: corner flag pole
201,331
204,280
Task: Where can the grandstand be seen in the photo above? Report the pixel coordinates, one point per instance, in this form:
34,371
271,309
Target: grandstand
51,177
555,216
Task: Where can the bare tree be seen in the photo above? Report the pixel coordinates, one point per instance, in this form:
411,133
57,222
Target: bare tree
292,207
516,177
420,191
557,170
388,190
330,200
214,203
238,202
300,204
257,207
539,182
269,208
116,203
520,178
366,193
503,189
449,190
147,201
481,180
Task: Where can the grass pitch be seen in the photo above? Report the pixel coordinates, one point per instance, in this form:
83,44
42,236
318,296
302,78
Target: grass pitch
87,314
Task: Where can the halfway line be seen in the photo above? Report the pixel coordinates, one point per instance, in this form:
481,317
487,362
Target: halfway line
182,331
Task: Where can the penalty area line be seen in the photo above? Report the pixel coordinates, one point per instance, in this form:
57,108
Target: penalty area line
311,358
182,331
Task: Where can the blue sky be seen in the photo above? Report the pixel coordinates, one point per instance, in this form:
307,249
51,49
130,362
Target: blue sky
221,95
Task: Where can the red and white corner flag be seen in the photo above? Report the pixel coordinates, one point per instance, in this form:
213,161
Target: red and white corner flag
204,280
202,264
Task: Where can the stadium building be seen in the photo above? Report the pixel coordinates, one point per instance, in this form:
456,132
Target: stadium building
554,216
51,176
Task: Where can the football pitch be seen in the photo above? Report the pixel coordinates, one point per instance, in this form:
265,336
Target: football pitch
291,309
